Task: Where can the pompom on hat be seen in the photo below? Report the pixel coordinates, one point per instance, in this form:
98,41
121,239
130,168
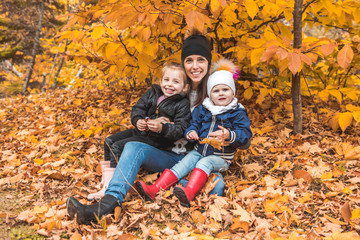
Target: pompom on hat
223,71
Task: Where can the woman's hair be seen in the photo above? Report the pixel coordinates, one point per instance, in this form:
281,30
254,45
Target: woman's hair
172,65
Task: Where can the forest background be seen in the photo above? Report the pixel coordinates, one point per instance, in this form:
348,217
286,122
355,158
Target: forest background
71,70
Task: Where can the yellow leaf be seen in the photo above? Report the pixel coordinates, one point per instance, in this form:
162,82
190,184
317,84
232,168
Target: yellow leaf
256,55
336,94
38,161
356,116
265,130
248,93
307,197
251,8
97,32
345,56
273,205
345,119
355,213
276,165
347,190
326,176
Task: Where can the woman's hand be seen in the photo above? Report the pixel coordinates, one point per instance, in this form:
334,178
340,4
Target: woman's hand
155,125
142,125
192,136
221,134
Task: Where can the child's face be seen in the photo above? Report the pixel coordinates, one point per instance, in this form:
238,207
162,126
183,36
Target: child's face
221,95
172,82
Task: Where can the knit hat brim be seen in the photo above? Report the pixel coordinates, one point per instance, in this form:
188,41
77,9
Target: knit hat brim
221,77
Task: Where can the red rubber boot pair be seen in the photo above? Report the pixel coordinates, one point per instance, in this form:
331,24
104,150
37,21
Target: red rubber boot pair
165,181
186,194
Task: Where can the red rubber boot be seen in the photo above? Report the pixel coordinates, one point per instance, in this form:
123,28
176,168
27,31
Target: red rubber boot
165,181
197,180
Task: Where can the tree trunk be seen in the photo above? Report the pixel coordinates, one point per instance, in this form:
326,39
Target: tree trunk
60,66
52,69
295,87
35,49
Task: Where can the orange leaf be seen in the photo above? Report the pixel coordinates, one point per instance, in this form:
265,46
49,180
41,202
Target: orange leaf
76,236
214,143
306,59
345,56
198,217
304,175
328,48
346,212
240,224
294,62
282,53
195,19
269,53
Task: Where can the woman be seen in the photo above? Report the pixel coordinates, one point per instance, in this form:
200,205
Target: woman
196,58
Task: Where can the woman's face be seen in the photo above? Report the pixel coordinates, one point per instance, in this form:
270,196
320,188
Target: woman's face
196,67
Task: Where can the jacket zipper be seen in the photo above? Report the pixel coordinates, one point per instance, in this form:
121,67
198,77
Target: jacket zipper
161,103
210,131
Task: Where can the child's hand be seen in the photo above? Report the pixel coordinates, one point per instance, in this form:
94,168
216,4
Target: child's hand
192,136
142,125
154,125
221,134
163,119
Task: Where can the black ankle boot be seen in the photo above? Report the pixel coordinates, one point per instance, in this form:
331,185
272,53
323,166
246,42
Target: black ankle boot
85,214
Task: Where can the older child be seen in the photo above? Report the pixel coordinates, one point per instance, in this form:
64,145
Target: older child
220,116
151,116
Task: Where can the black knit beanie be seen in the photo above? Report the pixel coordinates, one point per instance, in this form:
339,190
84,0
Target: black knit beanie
196,45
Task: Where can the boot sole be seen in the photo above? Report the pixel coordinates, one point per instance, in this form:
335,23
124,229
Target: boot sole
180,194
142,192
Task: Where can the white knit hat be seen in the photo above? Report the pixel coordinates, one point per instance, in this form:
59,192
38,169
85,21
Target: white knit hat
221,77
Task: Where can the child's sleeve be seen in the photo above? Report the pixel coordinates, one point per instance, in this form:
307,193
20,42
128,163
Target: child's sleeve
195,123
140,109
182,118
240,133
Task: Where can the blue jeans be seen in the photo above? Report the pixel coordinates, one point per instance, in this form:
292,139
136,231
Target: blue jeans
194,159
136,155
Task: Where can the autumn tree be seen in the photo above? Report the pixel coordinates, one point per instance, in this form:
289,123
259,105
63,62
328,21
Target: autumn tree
20,37
129,40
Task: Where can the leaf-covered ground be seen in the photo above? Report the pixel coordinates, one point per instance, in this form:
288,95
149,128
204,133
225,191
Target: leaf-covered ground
285,186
